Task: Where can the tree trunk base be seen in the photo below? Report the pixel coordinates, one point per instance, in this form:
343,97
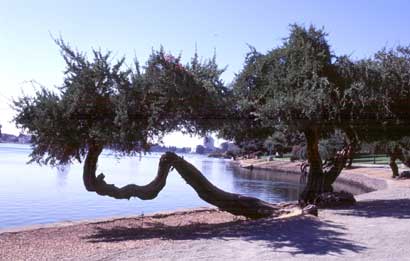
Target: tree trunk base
335,200
322,181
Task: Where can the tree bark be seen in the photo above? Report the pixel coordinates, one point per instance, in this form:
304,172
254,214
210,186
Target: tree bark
394,155
320,177
315,179
350,154
394,167
233,203
353,142
397,154
334,168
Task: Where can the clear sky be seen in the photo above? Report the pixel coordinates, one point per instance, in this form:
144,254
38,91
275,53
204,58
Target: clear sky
134,28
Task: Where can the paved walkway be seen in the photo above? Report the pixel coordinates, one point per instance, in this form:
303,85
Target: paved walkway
377,228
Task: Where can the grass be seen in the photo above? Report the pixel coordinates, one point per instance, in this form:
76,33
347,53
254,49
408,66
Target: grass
286,157
382,159
372,159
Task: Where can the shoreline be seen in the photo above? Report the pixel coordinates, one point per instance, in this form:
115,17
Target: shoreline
355,180
64,224
376,227
274,168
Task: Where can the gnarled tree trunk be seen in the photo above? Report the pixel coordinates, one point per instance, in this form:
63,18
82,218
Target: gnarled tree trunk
397,154
319,177
233,203
394,155
350,154
315,178
352,146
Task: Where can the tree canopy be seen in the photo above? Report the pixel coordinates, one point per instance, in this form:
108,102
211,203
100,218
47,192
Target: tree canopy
126,109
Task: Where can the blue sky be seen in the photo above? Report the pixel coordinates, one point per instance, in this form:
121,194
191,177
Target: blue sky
134,28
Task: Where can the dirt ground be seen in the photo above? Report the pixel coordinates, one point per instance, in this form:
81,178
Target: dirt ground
98,240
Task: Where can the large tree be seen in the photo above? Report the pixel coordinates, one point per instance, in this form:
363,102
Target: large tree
301,84
378,101
395,70
102,105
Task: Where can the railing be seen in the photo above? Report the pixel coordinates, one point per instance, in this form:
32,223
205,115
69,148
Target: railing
371,159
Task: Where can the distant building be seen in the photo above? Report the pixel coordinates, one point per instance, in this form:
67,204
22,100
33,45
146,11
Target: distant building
209,143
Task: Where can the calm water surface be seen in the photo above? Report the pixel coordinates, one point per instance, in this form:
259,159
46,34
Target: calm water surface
32,194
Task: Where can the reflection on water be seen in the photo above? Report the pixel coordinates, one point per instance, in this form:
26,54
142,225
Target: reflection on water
262,184
32,194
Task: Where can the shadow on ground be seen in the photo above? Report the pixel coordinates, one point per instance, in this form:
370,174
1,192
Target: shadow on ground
298,235
395,208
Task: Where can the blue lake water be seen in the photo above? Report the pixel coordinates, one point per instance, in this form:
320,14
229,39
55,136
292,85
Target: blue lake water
33,194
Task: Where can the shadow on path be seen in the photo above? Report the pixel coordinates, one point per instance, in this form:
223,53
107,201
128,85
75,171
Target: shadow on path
395,208
296,236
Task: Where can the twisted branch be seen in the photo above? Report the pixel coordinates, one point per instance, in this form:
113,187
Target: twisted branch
233,203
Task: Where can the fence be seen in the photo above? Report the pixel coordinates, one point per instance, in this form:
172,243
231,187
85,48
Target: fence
371,159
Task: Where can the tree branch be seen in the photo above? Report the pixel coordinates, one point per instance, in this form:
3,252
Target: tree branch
233,203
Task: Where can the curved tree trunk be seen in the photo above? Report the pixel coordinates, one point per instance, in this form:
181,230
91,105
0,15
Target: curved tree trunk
233,203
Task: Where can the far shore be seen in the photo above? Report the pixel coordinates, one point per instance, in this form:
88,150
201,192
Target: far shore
375,229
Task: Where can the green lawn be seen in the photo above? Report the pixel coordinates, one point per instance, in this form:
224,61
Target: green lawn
372,159
359,159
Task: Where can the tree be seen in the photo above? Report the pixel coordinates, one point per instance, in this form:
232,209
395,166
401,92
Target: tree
200,149
388,73
224,146
289,86
242,124
282,140
301,84
394,67
101,105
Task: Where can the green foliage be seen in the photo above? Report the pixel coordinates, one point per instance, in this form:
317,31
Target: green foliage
384,114
102,104
282,140
301,84
329,146
296,86
200,149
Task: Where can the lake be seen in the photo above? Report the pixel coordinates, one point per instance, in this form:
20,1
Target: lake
33,194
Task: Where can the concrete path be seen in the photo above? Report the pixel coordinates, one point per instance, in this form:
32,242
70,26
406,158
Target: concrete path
378,228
